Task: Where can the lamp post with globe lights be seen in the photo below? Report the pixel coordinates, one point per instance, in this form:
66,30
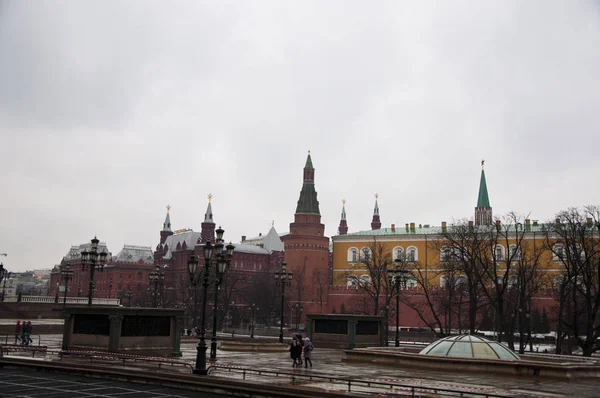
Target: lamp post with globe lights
222,260
67,275
96,261
284,278
397,277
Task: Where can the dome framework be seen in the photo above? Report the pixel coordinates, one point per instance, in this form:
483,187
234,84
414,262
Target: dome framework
468,346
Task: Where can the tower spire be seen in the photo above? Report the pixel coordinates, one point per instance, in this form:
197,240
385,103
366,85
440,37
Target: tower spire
308,203
167,223
208,226
376,222
483,211
343,228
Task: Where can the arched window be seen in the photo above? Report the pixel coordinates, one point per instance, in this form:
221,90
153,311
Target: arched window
558,252
365,280
410,283
365,255
412,255
514,253
499,253
398,254
353,255
352,281
444,282
461,280
445,254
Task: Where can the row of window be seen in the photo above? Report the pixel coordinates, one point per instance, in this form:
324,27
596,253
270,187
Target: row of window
411,282
447,254
398,254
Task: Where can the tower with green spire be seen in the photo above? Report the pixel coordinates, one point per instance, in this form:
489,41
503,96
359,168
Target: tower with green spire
483,211
306,248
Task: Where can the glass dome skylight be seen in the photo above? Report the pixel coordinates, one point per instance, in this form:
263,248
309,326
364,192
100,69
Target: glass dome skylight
468,346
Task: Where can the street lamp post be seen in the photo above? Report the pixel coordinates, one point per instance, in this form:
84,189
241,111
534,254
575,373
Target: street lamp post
397,276
129,295
96,261
6,277
223,259
67,275
154,276
200,367
254,308
284,278
2,275
109,287
299,310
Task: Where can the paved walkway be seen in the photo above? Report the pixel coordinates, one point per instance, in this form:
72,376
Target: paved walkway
328,362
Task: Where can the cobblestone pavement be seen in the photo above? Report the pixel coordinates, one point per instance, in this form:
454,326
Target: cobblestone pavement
328,362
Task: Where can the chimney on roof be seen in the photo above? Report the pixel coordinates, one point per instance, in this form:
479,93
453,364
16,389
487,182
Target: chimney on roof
260,234
412,227
535,223
470,225
420,225
590,222
243,238
498,224
393,227
443,226
406,226
527,225
557,221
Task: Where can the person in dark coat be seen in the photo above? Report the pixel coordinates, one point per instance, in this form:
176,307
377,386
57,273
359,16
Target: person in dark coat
294,351
298,347
18,330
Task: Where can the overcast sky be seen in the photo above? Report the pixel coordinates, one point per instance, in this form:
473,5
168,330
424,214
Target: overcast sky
109,111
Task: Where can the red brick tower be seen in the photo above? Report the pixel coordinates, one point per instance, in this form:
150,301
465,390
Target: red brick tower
307,250
343,228
376,222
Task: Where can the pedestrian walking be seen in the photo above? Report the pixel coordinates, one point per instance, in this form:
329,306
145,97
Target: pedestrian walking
308,347
293,351
18,331
23,332
298,348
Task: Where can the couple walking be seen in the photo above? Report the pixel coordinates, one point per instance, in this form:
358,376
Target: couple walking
23,332
298,347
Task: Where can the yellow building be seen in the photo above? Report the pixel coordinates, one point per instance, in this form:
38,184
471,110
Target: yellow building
426,248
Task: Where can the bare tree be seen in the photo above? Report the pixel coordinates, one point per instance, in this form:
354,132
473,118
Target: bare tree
320,283
370,276
574,241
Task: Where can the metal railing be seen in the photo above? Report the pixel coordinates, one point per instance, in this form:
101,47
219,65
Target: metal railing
387,385
115,356
70,300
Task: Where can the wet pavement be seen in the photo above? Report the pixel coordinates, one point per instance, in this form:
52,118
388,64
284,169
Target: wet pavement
328,362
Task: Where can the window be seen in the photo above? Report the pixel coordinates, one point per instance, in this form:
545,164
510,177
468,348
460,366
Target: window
352,282
558,252
365,255
499,253
446,254
514,253
353,255
398,253
365,280
410,283
412,254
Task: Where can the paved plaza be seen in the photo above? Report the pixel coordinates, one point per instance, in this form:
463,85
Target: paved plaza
328,362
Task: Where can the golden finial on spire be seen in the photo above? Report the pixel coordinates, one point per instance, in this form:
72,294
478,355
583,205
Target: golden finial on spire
344,202
376,196
209,197
168,208
482,162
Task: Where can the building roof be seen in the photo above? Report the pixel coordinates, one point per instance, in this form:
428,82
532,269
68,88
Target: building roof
189,237
432,230
75,250
133,254
271,241
254,249
483,199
